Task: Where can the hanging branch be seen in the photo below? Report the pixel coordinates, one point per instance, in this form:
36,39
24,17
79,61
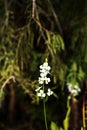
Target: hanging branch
36,18
33,8
33,16
55,17
6,12
7,81
4,85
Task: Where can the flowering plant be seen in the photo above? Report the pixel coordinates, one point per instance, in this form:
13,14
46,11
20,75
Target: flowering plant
73,89
44,79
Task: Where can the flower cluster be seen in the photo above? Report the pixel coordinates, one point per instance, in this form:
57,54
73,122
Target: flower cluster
73,89
44,71
41,93
43,79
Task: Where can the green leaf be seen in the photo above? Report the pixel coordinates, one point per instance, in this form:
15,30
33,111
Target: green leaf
81,74
66,120
54,126
60,39
2,94
74,67
57,43
54,79
61,74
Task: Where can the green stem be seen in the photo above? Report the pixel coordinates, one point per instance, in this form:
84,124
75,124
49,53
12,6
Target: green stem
45,117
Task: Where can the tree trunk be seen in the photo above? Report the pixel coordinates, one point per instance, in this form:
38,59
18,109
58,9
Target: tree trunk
74,114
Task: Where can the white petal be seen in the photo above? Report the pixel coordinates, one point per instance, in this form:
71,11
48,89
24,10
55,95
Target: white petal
41,91
39,94
48,68
43,75
43,95
41,67
47,80
75,86
49,93
41,81
45,64
38,89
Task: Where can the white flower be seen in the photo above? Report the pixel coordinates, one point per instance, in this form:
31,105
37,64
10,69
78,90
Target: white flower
43,74
41,80
45,66
74,92
73,89
47,80
41,93
77,87
44,71
38,89
49,93
69,87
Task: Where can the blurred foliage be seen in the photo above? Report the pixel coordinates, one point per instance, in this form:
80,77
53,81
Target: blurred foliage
31,32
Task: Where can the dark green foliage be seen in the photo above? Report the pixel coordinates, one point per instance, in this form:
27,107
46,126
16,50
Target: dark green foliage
53,29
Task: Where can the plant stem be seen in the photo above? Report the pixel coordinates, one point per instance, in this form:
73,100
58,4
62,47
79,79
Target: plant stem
45,117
